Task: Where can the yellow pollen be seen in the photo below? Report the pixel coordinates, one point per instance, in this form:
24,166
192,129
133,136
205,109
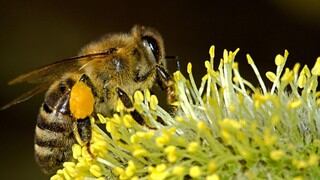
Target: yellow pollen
313,160
249,59
189,68
235,66
302,80
306,71
276,154
57,177
271,76
131,169
299,164
295,104
140,152
201,126
118,170
213,177
296,68
195,171
119,107
178,170
211,51
298,178
287,76
96,170
279,60
161,167
162,140
138,97
316,68
171,153
212,166
147,94
153,102
207,64
128,121
76,150
193,147
81,100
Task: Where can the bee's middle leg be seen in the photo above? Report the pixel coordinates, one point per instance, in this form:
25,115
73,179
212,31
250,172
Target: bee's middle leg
129,105
86,79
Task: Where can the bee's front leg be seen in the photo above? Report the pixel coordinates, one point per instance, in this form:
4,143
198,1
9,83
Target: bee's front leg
166,83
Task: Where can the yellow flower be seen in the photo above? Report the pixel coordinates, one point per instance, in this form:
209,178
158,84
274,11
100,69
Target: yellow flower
219,125
295,104
195,172
178,171
140,152
162,140
213,177
159,172
171,153
271,76
96,170
76,149
212,166
192,147
276,154
316,68
313,160
131,169
279,60
153,102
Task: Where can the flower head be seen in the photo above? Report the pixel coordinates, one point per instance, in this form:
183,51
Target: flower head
225,128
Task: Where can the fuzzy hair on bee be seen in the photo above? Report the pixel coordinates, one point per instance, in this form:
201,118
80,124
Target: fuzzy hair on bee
106,70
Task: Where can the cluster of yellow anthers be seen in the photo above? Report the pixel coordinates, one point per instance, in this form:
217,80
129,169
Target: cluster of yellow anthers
225,128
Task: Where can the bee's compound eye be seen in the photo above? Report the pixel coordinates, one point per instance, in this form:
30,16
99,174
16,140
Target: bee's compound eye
152,46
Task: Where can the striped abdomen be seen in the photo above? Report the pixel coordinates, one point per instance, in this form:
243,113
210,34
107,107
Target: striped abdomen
53,134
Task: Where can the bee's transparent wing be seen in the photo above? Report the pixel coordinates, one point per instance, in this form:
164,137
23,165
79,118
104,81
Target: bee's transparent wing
45,76
25,96
53,71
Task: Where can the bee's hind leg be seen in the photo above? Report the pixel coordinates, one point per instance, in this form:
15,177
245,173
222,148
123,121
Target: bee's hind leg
83,125
82,128
83,132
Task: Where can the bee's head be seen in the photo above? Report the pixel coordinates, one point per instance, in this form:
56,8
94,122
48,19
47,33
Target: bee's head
151,42
131,54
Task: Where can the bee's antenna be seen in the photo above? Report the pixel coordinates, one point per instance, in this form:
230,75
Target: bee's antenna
176,58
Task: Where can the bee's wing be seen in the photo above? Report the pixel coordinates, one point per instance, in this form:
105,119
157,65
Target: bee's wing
53,71
25,96
45,76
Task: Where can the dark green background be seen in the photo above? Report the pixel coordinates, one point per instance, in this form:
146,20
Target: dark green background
36,33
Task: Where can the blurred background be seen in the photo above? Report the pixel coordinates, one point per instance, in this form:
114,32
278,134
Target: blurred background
35,33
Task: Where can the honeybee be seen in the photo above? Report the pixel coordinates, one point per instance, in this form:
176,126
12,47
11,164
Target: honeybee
106,70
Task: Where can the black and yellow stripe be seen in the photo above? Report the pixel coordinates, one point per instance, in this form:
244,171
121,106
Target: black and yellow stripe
53,134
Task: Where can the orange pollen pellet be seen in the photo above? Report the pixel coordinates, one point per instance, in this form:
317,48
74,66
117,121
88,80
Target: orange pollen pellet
81,100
